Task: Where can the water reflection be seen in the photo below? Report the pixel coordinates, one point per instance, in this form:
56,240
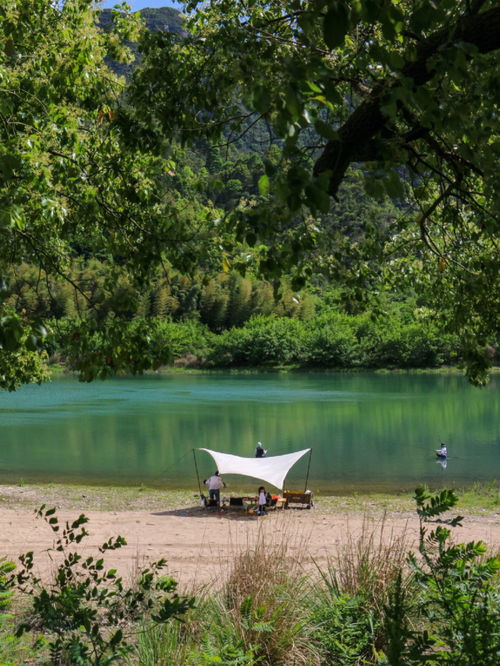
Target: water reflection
143,430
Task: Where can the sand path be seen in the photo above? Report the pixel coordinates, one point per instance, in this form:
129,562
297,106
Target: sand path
199,546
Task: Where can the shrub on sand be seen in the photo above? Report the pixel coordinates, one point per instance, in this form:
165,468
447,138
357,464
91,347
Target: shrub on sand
265,603
260,615
350,598
458,596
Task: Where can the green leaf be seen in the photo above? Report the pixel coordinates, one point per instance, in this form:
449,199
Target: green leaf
269,167
315,88
317,198
292,103
11,333
394,186
325,130
375,187
262,100
264,185
335,26
116,638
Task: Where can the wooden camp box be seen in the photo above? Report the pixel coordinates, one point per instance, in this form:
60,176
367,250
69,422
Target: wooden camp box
297,499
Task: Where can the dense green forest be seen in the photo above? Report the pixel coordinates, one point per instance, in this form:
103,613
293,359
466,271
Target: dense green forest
163,174
233,321
306,183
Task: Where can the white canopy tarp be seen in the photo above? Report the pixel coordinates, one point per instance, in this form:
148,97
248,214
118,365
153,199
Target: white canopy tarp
272,469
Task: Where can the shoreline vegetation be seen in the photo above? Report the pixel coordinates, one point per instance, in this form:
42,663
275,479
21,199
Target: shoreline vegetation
350,582
330,341
58,369
238,324
477,498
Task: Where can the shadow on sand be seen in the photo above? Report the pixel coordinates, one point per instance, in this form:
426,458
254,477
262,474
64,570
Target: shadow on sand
200,512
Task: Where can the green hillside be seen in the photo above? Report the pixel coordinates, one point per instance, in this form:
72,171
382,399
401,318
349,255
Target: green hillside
196,190
161,18
155,19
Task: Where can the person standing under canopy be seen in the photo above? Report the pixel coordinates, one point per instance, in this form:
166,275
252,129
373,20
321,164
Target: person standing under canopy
214,483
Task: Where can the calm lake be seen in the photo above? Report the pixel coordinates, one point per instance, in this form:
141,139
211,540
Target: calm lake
367,431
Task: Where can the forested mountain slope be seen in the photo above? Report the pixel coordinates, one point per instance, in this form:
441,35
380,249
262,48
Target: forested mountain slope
128,202
156,18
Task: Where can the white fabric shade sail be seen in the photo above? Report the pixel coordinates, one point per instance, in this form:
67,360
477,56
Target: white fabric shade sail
272,469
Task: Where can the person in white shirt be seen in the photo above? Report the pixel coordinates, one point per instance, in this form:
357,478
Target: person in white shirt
214,483
262,501
442,451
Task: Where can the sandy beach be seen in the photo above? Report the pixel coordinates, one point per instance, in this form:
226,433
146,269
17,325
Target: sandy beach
200,546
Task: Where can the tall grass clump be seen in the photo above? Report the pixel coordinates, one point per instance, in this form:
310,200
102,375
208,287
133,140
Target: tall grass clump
350,598
370,563
257,613
265,602
168,645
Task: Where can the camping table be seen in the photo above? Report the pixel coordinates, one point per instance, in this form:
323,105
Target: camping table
250,502
241,503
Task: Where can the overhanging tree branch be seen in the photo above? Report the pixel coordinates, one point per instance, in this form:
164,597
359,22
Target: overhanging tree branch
368,120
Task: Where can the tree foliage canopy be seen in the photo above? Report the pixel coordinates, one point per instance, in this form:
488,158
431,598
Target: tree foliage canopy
405,89
401,94
69,185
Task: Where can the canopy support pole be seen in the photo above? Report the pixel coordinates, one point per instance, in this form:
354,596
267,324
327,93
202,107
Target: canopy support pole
308,467
197,473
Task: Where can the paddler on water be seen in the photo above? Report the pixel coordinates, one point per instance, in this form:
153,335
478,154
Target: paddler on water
442,452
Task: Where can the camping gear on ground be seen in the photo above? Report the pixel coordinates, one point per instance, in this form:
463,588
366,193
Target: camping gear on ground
248,503
271,469
304,500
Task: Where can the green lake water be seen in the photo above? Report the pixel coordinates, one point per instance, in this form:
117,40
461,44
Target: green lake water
367,431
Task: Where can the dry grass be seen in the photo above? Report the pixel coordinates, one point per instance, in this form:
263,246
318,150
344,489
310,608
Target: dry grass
255,611
369,563
265,597
264,562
